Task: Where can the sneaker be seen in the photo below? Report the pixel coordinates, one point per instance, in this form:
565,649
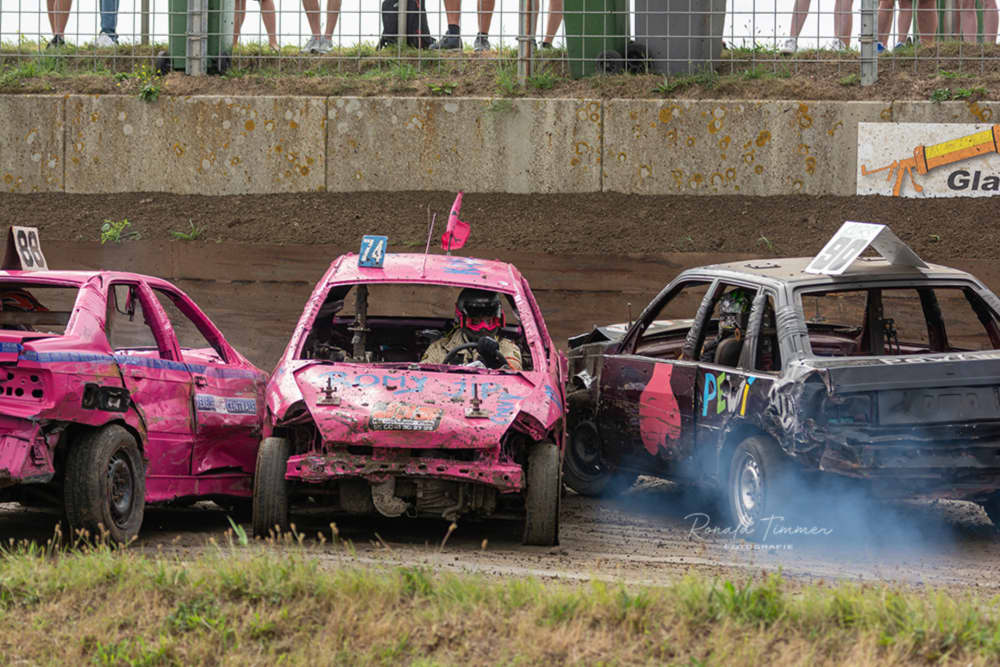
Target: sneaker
546,45
447,42
481,43
104,40
901,45
311,46
836,45
324,45
790,46
56,42
879,47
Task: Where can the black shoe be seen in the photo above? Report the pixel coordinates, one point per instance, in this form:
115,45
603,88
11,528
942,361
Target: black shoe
447,42
546,45
56,42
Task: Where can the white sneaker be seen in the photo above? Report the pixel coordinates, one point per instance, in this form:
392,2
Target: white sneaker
790,46
310,46
324,45
836,45
104,40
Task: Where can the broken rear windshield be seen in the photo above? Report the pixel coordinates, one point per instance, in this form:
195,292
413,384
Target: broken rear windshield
898,321
36,307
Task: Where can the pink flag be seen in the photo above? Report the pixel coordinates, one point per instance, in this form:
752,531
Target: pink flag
457,232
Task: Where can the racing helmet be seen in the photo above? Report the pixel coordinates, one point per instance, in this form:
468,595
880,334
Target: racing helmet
479,311
734,312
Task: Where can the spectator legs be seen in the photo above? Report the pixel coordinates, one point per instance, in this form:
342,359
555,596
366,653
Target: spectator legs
58,15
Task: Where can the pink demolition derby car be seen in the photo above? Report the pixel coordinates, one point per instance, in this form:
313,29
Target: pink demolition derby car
392,399
116,391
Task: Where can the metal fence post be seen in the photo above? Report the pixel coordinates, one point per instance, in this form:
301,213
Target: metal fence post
145,22
195,62
525,41
869,54
401,27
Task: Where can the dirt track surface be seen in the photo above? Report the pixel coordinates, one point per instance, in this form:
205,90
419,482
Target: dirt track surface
644,537
566,224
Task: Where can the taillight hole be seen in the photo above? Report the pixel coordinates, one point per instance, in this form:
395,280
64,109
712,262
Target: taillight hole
19,392
34,378
36,393
10,376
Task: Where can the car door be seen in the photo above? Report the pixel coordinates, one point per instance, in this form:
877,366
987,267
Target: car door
724,385
228,390
646,393
157,379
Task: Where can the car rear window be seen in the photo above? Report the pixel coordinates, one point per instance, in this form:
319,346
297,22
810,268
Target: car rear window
898,321
36,307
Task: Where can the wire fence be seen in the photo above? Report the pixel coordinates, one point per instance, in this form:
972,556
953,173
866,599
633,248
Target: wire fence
574,38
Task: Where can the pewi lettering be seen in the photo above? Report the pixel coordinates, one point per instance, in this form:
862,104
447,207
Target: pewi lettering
711,391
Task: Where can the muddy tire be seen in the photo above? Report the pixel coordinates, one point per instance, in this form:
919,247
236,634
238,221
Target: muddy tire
270,490
585,470
105,488
541,497
758,481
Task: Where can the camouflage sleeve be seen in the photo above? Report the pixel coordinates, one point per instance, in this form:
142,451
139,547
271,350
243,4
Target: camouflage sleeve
436,351
511,352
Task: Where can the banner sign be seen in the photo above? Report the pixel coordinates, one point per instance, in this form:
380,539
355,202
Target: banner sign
928,159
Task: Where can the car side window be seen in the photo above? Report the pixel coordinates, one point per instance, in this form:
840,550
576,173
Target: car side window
128,325
191,334
724,332
666,329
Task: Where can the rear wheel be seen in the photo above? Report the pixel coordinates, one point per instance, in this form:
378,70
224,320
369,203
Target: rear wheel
541,497
270,490
758,480
587,473
105,491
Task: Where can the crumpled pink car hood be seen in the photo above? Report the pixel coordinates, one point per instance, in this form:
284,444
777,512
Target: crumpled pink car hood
390,407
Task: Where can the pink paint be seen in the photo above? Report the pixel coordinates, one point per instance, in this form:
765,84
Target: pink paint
659,416
413,421
196,413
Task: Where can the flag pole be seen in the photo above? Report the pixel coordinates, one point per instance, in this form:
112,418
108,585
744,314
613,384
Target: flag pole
430,235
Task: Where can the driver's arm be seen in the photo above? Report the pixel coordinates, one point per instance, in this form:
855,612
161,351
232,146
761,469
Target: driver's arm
436,352
511,353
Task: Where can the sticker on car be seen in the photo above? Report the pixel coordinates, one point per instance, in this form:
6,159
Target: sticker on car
397,416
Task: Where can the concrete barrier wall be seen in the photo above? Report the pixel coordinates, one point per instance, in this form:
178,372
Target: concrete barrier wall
260,144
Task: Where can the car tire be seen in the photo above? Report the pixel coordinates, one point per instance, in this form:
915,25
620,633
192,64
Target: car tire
270,489
541,495
757,483
105,487
585,469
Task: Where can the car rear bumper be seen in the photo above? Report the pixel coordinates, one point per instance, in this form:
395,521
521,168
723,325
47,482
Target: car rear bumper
317,468
24,455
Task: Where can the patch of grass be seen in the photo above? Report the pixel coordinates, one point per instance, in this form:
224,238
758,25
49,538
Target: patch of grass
544,79
506,81
275,603
113,231
946,74
852,79
707,79
946,94
446,88
192,233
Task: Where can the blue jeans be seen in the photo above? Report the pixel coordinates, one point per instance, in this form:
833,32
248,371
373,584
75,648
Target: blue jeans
109,17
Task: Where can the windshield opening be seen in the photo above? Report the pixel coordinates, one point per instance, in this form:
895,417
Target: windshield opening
877,321
418,323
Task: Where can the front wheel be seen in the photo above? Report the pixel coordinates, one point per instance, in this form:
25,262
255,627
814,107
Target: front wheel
587,473
541,497
270,490
105,492
759,473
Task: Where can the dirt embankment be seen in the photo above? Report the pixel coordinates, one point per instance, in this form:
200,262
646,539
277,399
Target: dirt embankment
589,224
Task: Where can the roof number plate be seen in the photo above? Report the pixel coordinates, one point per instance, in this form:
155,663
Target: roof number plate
851,240
372,253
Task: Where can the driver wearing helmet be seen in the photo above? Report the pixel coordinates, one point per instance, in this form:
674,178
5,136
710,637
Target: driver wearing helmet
480,315
734,312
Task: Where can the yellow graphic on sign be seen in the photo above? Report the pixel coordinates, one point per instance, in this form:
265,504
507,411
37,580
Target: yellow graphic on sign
926,158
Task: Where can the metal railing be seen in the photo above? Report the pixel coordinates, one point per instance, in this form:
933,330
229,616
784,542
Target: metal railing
524,39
